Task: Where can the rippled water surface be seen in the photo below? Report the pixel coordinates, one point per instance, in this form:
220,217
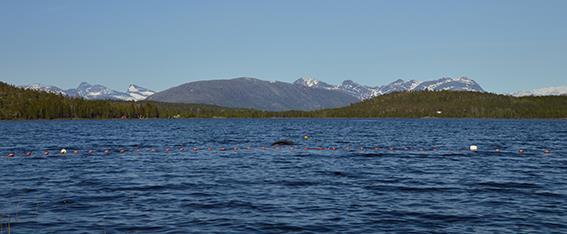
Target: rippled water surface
220,175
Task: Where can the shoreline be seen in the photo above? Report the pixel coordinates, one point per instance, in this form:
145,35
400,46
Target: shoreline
287,118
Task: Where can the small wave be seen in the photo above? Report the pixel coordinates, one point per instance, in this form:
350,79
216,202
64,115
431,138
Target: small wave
415,189
300,183
506,184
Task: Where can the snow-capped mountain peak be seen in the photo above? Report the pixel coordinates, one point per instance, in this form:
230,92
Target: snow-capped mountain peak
138,93
398,85
313,83
447,83
359,91
44,88
307,81
97,92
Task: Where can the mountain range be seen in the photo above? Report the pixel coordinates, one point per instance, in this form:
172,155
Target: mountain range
302,94
245,92
363,92
96,92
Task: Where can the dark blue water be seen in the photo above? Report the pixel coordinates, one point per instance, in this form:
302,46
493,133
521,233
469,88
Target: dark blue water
357,176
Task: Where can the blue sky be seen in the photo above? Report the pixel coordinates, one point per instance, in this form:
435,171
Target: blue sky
504,45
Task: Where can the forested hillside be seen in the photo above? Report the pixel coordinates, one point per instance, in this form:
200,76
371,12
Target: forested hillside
18,103
450,104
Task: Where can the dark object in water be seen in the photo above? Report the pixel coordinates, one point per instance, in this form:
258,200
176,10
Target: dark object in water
283,142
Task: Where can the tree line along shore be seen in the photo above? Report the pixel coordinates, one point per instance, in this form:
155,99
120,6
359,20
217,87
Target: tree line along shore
19,104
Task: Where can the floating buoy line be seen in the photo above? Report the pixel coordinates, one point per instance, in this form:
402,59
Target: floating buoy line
138,150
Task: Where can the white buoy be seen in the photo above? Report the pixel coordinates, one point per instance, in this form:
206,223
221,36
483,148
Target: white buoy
473,148
63,151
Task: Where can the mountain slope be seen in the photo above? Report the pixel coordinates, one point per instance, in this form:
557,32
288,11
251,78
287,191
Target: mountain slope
254,93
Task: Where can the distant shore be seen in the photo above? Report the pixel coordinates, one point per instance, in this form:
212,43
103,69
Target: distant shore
21,104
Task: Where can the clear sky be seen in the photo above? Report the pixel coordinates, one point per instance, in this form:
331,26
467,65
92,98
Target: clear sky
506,46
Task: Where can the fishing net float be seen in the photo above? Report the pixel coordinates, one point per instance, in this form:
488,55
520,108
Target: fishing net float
276,146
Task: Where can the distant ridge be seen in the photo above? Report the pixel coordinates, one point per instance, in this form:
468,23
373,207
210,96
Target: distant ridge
549,91
96,92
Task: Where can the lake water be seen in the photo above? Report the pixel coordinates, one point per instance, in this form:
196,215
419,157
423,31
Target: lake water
222,175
